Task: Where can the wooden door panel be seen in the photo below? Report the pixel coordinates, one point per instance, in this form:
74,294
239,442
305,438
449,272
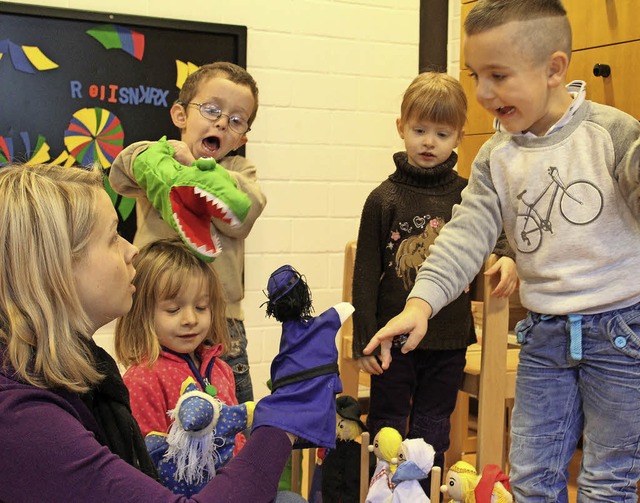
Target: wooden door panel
467,152
478,119
602,22
466,7
620,89
594,23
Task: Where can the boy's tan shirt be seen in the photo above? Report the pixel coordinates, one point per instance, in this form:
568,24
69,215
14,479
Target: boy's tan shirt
151,227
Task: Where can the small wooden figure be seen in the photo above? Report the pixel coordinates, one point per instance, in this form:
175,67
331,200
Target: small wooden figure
386,446
464,485
415,461
341,466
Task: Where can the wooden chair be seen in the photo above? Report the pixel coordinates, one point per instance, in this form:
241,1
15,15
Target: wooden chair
352,378
489,375
355,383
497,384
297,466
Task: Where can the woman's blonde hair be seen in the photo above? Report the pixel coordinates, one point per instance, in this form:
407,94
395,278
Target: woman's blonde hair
47,216
435,97
161,270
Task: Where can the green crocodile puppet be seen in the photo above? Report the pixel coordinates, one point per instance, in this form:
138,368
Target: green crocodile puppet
189,197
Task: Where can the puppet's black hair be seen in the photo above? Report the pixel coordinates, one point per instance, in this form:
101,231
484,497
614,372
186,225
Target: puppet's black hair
294,305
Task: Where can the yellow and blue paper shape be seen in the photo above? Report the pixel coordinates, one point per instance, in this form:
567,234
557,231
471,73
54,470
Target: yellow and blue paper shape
26,58
183,70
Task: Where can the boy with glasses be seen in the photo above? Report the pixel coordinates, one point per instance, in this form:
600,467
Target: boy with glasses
214,112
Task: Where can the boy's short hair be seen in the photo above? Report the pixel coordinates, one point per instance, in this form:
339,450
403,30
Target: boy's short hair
552,33
229,71
436,97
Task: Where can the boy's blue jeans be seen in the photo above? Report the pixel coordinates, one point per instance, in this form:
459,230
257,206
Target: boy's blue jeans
559,397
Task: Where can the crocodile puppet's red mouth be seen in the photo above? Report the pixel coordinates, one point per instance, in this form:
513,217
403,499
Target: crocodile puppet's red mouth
193,209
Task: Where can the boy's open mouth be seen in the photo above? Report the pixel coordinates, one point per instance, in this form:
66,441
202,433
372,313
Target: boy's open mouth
211,143
504,111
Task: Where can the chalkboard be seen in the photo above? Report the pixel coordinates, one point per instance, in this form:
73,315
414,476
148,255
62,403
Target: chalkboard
78,86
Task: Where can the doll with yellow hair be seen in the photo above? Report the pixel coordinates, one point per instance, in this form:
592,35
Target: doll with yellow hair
464,485
386,446
460,482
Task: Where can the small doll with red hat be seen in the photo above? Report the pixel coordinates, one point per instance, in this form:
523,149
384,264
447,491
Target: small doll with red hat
341,466
464,485
306,365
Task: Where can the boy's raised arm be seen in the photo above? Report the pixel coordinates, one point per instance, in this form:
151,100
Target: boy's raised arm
413,320
121,173
244,172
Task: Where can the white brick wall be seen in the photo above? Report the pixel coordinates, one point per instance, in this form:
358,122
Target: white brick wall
331,75
453,44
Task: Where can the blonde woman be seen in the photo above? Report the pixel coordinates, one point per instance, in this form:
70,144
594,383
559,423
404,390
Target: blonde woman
66,428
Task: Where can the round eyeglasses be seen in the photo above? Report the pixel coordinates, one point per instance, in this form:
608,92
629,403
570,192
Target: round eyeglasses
212,112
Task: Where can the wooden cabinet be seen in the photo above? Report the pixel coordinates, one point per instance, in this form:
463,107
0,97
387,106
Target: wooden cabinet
602,22
620,88
479,121
605,32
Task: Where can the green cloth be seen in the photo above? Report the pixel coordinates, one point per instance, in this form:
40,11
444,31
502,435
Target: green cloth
190,198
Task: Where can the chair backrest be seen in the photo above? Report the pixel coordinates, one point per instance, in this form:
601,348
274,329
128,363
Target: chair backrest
492,380
364,466
349,371
350,380
349,262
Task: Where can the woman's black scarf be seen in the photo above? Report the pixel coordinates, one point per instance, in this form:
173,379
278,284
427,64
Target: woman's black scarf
109,405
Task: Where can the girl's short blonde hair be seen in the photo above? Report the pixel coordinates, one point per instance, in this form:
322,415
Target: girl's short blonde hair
161,270
435,97
47,217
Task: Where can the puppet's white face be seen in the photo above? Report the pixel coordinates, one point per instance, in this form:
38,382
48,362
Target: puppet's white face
346,429
402,454
376,448
453,487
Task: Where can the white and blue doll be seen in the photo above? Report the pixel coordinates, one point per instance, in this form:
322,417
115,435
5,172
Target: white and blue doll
415,460
201,439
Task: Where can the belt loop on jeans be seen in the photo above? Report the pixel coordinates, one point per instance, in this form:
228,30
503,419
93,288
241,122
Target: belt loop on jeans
575,334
